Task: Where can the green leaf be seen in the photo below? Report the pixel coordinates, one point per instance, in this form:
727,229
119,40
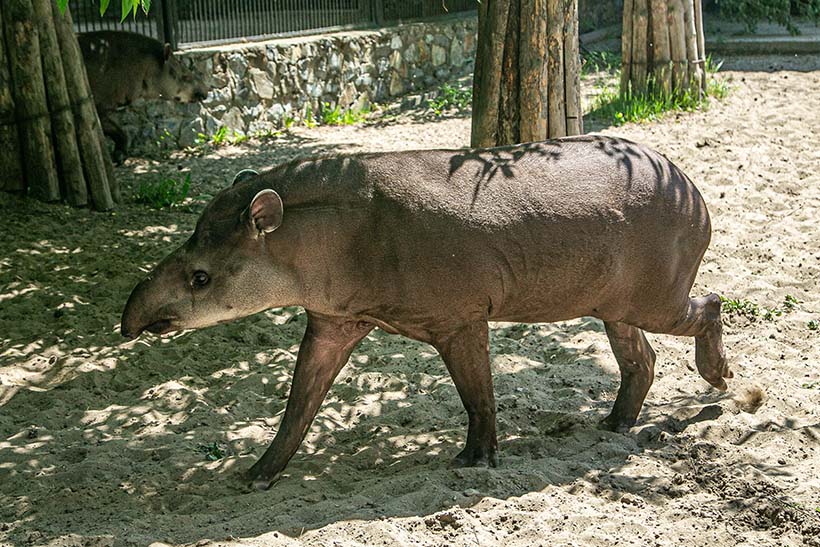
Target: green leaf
103,6
126,7
62,5
146,5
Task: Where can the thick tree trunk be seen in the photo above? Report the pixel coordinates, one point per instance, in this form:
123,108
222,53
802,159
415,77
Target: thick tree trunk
662,46
51,144
526,84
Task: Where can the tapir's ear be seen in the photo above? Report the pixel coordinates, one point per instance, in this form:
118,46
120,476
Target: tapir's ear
266,211
244,174
167,52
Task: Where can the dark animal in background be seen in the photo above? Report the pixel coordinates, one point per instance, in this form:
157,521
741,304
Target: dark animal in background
125,66
434,244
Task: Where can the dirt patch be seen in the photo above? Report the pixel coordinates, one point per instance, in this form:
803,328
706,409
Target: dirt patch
111,443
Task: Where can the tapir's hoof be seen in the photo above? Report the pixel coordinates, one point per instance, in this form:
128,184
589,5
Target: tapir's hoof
617,424
260,480
476,457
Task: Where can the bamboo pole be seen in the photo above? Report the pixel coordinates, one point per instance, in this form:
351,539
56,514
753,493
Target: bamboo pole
62,120
661,71
92,151
640,24
701,41
11,168
533,91
626,45
694,62
572,69
677,43
29,92
492,16
555,69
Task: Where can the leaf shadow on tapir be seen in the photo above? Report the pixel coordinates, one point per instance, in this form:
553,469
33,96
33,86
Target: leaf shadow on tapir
433,245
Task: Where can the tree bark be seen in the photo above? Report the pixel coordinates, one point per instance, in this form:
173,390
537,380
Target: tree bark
526,85
51,141
62,121
33,119
10,161
662,46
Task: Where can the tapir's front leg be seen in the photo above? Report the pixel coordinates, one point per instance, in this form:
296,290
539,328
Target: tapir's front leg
325,349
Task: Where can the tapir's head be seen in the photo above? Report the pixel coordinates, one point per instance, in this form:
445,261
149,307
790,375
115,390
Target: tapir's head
228,269
169,78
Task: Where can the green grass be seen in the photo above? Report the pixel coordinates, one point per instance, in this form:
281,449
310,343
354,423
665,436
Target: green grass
339,116
451,98
813,324
751,311
619,108
161,193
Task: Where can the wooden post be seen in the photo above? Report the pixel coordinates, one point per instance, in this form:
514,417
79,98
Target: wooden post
12,179
640,41
677,43
492,30
701,41
626,45
533,93
572,69
693,59
62,119
526,83
89,133
661,71
23,51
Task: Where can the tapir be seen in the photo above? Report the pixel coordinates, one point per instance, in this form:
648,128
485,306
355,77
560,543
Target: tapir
125,66
432,245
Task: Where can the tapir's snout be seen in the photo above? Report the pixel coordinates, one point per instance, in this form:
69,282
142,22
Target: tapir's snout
138,316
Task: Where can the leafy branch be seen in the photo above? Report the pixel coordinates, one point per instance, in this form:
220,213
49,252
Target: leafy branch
128,7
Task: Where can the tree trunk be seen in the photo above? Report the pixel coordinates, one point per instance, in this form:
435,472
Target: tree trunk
662,47
51,144
526,83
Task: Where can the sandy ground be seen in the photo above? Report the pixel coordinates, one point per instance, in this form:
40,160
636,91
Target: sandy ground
105,443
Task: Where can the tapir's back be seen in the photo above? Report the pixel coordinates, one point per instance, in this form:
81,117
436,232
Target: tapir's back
564,225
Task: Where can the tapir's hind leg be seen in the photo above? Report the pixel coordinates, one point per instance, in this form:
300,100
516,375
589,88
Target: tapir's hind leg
701,319
636,359
466,353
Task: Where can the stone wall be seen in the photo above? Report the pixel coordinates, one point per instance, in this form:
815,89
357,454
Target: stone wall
256,87
262,86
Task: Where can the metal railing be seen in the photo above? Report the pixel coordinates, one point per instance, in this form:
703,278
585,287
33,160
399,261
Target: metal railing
184,23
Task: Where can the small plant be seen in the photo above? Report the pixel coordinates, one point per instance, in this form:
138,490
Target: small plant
309,121
289,121
163,192
813,325
220,136
790,302
337,116
745,308
238,138
213,452
451,97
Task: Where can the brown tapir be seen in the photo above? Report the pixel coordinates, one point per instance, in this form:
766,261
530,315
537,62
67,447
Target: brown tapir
125,66
434,244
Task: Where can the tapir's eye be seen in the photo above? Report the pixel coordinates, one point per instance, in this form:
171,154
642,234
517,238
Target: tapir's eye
200,279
